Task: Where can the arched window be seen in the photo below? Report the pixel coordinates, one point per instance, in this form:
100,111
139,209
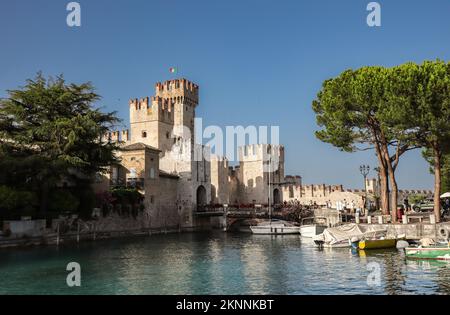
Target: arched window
201,198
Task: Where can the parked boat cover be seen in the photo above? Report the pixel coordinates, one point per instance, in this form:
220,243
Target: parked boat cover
345,232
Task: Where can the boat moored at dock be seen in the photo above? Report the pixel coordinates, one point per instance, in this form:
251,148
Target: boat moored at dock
275,227
432,252
345,235
312,226
377,244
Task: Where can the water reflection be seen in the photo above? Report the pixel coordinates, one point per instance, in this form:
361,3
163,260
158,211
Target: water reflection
217,263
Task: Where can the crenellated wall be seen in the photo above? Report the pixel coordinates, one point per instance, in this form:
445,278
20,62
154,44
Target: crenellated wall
257,164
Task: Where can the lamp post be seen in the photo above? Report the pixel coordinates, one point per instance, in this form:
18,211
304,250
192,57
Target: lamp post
365,169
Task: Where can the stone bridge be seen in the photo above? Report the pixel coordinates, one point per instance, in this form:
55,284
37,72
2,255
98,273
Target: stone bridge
228,219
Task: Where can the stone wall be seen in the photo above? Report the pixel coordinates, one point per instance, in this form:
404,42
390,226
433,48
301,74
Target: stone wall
220,182
28,228
253,173
164,210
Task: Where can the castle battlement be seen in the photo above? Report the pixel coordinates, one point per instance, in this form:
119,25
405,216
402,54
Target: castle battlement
178,84
153,108
116,136
293,180
256,152
178,91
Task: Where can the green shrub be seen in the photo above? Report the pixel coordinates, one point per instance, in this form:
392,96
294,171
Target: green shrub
63,201
16,203
126,196
413,199
87,200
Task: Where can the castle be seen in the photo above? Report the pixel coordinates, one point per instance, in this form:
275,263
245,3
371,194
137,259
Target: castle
159,156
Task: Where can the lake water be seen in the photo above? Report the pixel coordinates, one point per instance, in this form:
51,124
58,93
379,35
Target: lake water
217,263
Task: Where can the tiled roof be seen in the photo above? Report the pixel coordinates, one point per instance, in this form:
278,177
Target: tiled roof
139,146
165,174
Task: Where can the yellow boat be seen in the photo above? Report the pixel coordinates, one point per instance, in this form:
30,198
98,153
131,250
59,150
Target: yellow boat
377,244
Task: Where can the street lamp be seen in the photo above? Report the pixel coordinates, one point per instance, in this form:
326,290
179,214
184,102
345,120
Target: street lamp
365,169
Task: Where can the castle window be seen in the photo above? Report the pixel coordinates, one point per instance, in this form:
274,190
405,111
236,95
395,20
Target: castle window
144,134
167,135
152,173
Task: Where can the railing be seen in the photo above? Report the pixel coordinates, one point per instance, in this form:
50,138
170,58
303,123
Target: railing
209,209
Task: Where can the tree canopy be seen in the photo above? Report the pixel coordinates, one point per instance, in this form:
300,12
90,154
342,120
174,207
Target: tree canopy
51,134
391,110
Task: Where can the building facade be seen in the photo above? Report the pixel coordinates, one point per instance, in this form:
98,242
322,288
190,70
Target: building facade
179,178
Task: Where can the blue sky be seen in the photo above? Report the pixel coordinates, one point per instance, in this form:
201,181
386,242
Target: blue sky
257,62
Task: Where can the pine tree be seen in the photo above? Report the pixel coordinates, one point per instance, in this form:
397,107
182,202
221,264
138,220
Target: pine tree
49,132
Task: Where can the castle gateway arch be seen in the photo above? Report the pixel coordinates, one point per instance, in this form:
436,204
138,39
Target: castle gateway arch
201,198
276,196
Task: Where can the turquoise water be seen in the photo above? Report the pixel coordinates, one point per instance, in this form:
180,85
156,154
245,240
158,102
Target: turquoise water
215,263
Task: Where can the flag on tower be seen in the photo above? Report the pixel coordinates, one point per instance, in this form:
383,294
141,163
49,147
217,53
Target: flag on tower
173,70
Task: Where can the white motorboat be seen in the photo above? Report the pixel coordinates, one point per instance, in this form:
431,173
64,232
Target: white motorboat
313,226
275,227
344,235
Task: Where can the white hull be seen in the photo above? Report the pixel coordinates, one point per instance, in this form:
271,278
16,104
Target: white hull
311,231
341,236
275,229
344,244
339,245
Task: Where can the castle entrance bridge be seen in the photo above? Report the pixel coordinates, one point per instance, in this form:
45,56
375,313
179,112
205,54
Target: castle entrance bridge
232,217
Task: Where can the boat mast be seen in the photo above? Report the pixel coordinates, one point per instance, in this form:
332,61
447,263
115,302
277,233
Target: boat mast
270,205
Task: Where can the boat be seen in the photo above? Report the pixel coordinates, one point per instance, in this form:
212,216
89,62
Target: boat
377,244
312,226
275,227
345,235
432,252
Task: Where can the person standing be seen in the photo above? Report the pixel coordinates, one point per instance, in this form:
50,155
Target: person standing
406,205
352,207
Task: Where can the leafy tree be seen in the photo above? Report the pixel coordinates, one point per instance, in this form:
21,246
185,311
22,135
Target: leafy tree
50,132
354,113
446,174
445,169
15,203
413,199
63,201
426,94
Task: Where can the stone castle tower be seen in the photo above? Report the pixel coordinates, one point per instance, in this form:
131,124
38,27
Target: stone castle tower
165,121
254,173
153,119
